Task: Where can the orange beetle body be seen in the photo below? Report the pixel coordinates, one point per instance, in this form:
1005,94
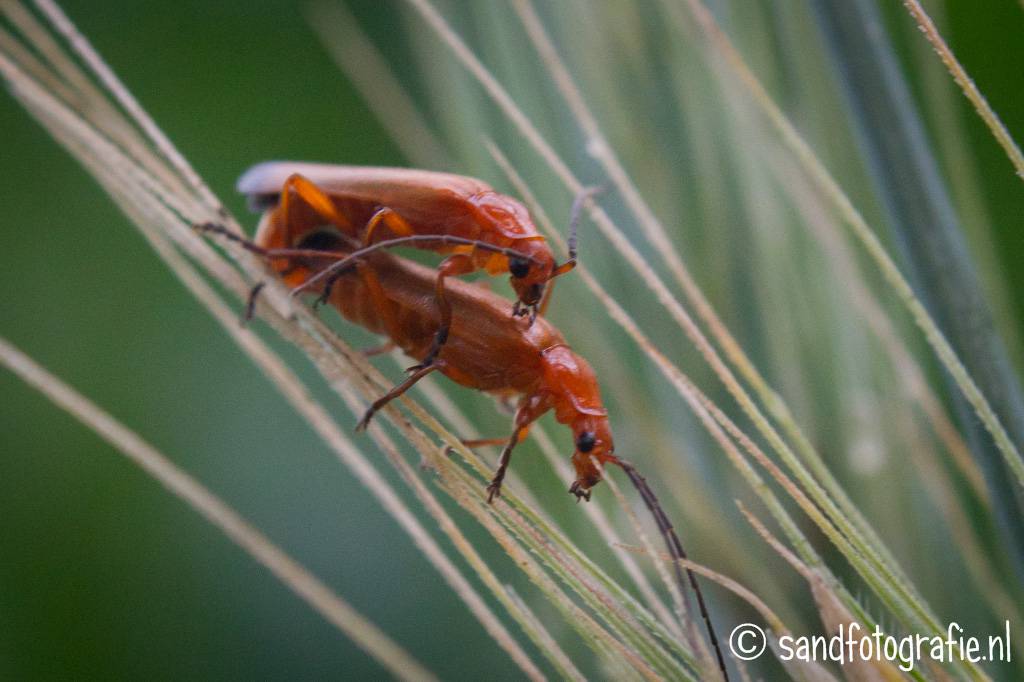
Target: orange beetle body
485,349
427,203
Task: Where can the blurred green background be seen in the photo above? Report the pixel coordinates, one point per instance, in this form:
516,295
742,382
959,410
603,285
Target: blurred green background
104,575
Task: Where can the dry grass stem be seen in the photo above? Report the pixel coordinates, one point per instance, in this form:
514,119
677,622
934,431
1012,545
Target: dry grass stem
292,574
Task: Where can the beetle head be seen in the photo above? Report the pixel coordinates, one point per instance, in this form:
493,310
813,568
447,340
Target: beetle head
593,440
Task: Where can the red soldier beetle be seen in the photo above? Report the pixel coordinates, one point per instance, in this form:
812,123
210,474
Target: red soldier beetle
486,349
402,206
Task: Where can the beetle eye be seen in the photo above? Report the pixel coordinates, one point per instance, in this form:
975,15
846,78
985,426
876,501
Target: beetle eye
519,267
319,240
586,441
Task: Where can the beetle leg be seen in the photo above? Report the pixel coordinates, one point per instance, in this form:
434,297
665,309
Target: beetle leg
530,410
483,442
494,489
250,302
316,198
381,303
473,443
456,264
392,219
394,393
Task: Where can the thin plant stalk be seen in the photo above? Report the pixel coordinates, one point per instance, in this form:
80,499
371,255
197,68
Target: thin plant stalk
360,60
711,417
656,234
912,604
824,180
878,559
966,83
291,573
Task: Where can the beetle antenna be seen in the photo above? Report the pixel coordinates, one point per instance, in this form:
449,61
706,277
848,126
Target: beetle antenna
577,211
442,239
574,221
676,551
214,228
